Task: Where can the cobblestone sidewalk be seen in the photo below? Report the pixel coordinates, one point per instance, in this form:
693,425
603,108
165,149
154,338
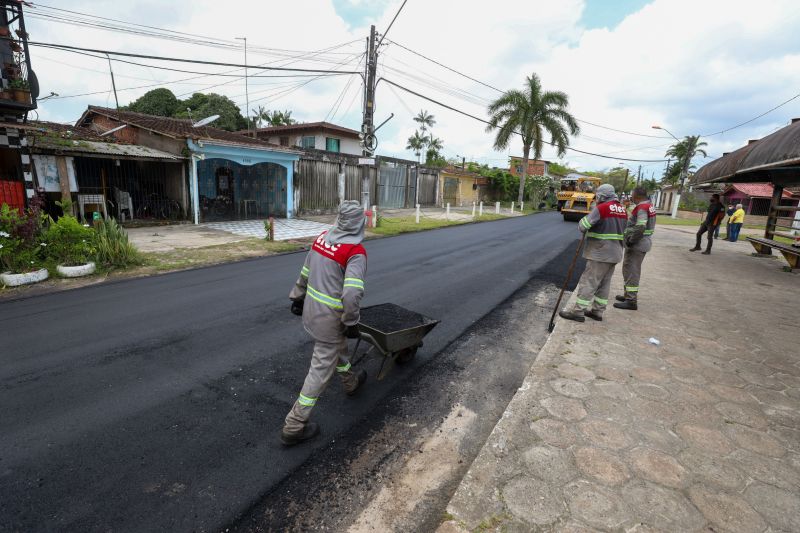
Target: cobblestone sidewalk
612,433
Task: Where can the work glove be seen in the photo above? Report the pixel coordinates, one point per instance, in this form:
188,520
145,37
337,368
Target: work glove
297,307
352,332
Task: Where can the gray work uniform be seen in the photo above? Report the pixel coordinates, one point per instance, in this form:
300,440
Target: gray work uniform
604,227
638,241
332,284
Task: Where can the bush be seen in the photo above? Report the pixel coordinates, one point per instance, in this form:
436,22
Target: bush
113,247
21,238
69,243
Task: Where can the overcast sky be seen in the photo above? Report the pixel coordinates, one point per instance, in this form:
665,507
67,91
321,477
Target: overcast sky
692,66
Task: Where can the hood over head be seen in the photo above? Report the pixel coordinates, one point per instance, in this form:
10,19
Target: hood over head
606,193
349,227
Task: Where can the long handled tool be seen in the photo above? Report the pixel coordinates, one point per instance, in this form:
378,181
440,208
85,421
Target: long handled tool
564,287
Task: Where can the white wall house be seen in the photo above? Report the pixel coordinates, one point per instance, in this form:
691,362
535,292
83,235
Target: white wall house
313,135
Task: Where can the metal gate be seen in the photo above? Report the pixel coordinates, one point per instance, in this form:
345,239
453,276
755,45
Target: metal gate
450,192
392,186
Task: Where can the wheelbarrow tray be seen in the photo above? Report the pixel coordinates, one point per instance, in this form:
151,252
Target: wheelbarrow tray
392,328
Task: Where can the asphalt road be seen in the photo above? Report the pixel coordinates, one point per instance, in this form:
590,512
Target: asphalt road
155,403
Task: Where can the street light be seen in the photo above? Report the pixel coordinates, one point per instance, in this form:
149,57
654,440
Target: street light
246,90
684,171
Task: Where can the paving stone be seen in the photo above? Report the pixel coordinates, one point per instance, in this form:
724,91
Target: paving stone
578,373
601,466
605,434
596,506
662,508
741,414
650,375
760,380
784,365
613,389
751,366
678,361
532,501
775,399
732,394
652,410
651,391
612,374
691,394
554,432
655,436
658,467
692,377
603,407
790,380
756,441
550,464
564,408
570,387
705,438
712,470
783,417
766,469
720,377
574,527
793,393
780,508
728,511
788,436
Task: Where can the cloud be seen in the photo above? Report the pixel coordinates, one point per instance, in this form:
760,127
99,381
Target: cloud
693,67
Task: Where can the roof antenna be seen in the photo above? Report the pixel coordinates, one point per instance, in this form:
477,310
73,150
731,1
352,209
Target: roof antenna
188,110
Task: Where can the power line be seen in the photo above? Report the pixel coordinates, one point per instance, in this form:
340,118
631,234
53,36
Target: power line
451,108
391,23
752,119
182,60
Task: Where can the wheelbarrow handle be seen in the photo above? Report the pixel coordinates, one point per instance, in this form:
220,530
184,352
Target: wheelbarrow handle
370,339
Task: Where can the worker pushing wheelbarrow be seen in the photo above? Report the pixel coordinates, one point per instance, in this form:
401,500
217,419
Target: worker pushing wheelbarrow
328,294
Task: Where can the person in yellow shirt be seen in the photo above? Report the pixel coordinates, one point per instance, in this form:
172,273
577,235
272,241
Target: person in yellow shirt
735,224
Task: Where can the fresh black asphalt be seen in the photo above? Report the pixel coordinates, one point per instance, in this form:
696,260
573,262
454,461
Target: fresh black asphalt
155,403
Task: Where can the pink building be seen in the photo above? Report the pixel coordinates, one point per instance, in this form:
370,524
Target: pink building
755,197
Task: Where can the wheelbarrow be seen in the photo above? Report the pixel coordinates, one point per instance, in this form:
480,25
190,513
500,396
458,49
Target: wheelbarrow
394,332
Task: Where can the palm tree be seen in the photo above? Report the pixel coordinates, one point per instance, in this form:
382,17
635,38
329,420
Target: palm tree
531,113
416,143
425,121
435,146
259,116
684,151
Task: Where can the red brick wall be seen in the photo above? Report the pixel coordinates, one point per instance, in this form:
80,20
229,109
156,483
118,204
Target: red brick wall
125,134
535,167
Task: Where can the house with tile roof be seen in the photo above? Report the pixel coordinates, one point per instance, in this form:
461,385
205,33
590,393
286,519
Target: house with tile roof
230,176
321,136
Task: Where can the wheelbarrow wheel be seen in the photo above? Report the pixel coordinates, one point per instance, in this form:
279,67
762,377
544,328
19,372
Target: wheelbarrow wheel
406,356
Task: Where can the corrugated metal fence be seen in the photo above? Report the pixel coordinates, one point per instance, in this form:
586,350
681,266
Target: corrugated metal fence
316,184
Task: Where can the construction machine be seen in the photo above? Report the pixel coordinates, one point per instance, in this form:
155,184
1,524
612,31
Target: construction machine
577,200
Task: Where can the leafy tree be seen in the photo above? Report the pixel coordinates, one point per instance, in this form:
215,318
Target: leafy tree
193,102
230,117
278,118
530,113
161,102
416,143
561,170
433,153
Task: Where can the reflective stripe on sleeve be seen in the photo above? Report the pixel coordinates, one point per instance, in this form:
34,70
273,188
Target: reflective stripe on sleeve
585,223
605,236
324,299
306,401
354,282
649,231
343,368
304,271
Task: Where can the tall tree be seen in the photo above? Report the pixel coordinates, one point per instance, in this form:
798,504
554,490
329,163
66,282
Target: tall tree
230,117
684,151
416,143
259,116
531,113
279,118
432,154
425,121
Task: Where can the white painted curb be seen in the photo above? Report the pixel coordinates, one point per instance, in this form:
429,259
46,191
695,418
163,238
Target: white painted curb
15,280
76,271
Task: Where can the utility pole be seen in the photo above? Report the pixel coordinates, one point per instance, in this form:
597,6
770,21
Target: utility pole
113,83
368,124
639,176
246,89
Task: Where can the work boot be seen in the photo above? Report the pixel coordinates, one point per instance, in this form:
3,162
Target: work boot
310,430
694,249
593,315
360,378
630,305
620,298
577,316
707,252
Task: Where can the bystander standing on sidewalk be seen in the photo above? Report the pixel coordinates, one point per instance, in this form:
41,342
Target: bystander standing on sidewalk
735,223
713,218
729,212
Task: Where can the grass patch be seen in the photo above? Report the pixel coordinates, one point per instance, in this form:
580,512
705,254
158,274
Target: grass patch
182,258
669,221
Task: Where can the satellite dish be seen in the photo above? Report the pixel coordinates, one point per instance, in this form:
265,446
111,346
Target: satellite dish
206,121
109,132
